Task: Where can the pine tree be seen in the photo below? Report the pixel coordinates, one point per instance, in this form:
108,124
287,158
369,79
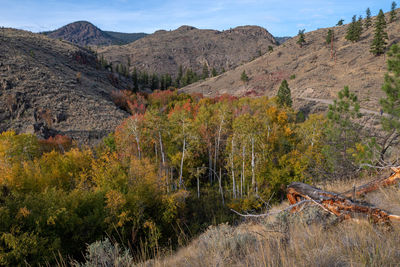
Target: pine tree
244,77
340,22
378,45
178,80
168,81
205,73
393,12
391,103
391,86
214,72
329,36
368,21
359,28
301,39
354,30
135,80
284,95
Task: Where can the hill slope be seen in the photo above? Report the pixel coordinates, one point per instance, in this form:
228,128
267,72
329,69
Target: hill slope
164,51
50,86
125,38
84,33
317,75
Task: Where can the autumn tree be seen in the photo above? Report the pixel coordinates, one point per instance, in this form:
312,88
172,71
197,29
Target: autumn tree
378,45
284,95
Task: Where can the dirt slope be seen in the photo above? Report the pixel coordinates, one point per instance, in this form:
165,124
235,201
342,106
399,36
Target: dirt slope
317,75
164,51
40,91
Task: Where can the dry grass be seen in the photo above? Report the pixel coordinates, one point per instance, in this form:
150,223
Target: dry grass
311,238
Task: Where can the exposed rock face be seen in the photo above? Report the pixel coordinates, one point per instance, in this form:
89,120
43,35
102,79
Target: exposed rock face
315,75
84,33
164,51
52,87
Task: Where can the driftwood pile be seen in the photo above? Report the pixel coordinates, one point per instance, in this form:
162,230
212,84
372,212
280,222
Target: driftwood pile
344,205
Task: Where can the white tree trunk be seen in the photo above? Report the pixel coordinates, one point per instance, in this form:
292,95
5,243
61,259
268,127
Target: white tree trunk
138,147
253,176
183,156
243,183
233,169
161,149
220,186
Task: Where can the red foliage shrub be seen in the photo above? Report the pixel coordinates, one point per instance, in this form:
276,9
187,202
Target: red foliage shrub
58,142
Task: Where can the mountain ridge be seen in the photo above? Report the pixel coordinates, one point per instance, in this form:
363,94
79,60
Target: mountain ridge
164,51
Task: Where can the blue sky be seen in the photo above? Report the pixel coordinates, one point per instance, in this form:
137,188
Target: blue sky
281,18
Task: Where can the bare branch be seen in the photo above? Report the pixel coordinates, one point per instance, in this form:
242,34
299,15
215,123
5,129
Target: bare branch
273,213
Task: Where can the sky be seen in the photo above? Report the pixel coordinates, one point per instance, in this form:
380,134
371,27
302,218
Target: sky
279,17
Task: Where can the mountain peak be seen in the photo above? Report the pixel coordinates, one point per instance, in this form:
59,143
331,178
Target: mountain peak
84,33
186,28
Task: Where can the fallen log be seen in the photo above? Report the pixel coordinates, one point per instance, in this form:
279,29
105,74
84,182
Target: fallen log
337,204
374,185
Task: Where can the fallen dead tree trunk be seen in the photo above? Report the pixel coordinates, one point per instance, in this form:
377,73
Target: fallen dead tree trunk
374,185
345,206
338,204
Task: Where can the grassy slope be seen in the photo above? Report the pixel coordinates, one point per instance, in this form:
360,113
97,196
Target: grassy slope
288,240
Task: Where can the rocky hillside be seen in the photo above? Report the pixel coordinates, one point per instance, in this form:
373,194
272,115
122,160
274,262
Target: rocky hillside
312,73
84,33
164,51
52,87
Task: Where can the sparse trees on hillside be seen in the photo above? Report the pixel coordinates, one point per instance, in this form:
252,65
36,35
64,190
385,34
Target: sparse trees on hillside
244,77
378,45
354,30
301,41
284,95
368,21
393,12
